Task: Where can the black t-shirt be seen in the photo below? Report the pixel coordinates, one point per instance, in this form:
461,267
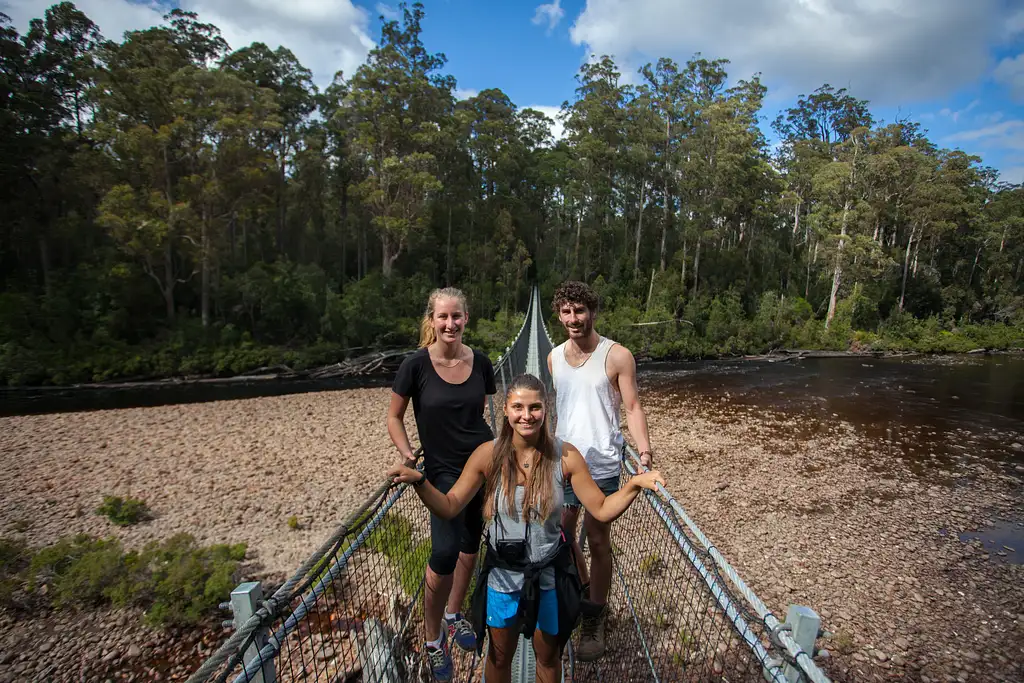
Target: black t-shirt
449,417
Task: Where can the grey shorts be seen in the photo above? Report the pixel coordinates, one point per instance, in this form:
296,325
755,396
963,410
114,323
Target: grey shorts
608,486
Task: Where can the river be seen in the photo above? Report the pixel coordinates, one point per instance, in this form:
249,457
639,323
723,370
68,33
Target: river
934,412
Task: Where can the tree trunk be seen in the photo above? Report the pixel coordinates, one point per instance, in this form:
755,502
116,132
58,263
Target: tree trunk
44,264
576,249
204,288
650,291
682,271
168,285
974,266
639,227
838,273
696,269
448,251
807,281
906,266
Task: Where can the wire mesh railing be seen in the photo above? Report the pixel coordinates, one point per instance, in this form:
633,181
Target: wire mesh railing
353,612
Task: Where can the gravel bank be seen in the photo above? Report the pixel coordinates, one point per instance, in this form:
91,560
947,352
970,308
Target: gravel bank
813,513
810,513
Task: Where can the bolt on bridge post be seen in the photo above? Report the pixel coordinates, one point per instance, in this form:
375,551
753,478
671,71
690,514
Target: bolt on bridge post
245,600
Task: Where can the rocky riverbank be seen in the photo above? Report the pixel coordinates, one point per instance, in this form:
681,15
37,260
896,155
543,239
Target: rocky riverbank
810,512
815,513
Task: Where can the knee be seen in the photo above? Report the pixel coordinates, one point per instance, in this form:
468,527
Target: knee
443,560
600,541
497,656
547,655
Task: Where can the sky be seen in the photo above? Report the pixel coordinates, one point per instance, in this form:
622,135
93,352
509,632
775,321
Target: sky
957,66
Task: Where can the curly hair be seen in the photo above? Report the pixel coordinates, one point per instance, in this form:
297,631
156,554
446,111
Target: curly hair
575,293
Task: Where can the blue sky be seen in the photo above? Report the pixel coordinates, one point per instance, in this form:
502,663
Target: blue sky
957,66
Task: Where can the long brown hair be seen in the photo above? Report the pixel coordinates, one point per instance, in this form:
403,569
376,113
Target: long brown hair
539,493
427,333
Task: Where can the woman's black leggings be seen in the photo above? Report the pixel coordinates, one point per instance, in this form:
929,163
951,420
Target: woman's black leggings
449,537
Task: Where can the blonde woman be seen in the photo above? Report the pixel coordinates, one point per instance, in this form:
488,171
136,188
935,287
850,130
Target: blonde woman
448,383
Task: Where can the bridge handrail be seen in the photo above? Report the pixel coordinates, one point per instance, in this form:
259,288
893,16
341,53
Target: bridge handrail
771,622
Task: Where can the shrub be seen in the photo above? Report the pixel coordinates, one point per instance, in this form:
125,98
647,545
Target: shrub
14,559
124,511
176,580
78,571
184,581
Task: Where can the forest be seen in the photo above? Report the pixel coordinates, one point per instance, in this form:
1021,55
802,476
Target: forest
175,206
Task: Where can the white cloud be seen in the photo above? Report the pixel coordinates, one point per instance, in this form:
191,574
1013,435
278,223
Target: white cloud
326,35
888,52
465,93
387,11
1010,72
1001,136
955,115
1013,174
551,13
553,113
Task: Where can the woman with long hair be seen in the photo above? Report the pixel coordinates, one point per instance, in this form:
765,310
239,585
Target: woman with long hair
448,383
528,583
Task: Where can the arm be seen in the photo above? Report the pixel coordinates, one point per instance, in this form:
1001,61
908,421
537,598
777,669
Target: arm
448,505
636,419
396,429
603,508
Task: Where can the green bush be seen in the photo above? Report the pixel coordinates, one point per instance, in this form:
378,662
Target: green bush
15,558
184,581
176,581
124,511
78,571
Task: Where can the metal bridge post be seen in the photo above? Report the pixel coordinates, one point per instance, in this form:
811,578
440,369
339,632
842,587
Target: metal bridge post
806,624
245,600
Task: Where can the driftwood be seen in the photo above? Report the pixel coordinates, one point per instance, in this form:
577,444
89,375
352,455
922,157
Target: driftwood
380,361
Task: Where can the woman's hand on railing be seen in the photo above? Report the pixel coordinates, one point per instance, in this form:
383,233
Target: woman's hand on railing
648,480
403,474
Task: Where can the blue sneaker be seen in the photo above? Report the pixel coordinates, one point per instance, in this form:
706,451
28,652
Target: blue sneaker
461,631
440,660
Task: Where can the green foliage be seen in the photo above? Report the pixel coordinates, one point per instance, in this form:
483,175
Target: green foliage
174,208
15,558
124,511
186,581
79,571
176,581
394,539
293,522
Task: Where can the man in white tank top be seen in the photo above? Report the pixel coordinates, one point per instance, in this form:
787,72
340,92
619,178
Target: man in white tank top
593,377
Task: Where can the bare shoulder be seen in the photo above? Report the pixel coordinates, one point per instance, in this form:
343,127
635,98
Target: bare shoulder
571,457
620,358
481,457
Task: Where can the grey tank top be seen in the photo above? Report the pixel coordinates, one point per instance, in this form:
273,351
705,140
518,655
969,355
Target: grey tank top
544,535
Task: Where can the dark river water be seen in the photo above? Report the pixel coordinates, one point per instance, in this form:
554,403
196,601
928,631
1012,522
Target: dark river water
934,412
926,408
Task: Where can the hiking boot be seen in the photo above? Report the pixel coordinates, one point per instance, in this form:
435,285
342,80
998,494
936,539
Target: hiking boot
461,632
592,645
440,660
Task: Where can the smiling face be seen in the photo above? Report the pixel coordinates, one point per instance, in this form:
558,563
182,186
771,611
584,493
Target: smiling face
525,410
577,319
449,319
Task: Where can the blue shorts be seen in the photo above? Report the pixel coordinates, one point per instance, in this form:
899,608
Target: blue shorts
502,608
608,486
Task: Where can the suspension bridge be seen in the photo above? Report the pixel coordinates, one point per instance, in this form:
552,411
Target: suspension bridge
678,611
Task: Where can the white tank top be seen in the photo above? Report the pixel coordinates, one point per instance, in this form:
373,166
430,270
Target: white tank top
587,406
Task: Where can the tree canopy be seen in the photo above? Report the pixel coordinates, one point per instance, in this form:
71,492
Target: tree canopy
176,206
